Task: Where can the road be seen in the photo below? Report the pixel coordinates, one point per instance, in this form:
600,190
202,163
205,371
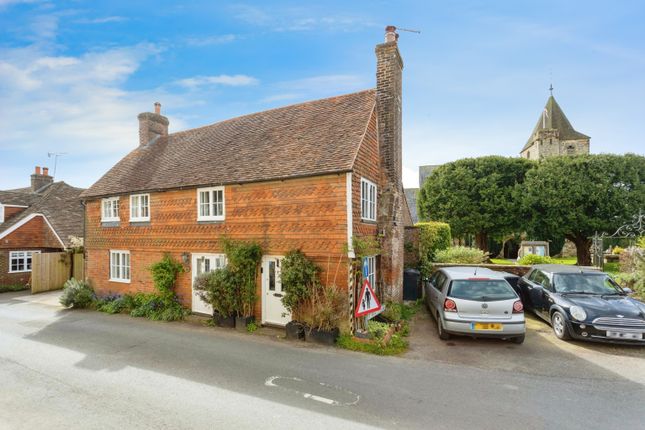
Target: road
84,369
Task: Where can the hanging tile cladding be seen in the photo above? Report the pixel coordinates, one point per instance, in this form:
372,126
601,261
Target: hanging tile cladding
366,166
305,213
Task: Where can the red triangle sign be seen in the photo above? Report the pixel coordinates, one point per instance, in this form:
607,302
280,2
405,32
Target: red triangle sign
367,301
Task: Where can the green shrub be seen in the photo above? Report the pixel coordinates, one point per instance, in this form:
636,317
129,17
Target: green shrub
461,255
396,312
13,287
395,346
114,304
531,259
433,236
243,260
164,274
377,330
77,294
219,289
299,277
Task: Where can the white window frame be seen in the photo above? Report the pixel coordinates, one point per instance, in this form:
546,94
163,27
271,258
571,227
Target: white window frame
211,204
369,193
1,213
136,211
122,270
371,271
15,255
113,202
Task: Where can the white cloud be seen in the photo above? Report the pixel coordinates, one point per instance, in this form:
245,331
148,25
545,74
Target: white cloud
211,40
102,20
228,80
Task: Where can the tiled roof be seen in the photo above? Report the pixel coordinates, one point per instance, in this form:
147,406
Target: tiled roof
19,197
555,119
60,203
411,197
306,139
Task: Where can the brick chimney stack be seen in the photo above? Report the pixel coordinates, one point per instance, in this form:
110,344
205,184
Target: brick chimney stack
40,181
389,74
152,125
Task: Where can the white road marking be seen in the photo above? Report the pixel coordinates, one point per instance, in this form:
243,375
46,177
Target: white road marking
270,382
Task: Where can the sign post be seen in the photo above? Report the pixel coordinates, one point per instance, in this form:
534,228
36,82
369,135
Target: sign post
368,303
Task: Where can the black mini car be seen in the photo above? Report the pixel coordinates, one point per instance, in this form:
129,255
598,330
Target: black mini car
583,304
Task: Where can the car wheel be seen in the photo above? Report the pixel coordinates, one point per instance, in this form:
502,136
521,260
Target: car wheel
440,331
518,340
559,324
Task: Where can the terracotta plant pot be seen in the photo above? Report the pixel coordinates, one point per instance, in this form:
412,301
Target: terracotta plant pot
295,330
242,322
322,336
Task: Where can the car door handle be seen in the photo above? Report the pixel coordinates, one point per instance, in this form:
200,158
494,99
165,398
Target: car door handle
277,295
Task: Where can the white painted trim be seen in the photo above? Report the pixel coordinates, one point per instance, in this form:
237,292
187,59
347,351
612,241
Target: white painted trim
14,206
121,280
350,215
212,217
111,219
1,213
25,221
263,288
193,275
142,218
17,251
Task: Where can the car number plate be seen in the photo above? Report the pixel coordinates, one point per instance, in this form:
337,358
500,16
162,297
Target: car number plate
624,335
486,326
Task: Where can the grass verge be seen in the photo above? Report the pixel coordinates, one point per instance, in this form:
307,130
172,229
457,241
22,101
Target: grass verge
395,346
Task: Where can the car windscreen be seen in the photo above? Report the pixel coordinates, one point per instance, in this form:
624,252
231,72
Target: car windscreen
488,290
585,283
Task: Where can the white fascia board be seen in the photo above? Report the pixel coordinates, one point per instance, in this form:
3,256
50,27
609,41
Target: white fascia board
25,221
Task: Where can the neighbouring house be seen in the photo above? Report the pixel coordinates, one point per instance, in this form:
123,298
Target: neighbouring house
39,218
411,194
310,176
554,135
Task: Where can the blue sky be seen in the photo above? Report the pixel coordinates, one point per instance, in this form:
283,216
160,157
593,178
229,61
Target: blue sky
74,75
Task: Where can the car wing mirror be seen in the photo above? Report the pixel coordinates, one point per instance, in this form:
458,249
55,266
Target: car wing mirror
627,290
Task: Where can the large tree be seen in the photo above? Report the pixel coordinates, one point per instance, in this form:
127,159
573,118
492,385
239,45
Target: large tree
576,197
475,196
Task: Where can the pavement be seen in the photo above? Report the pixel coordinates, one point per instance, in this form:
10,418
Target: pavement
84,369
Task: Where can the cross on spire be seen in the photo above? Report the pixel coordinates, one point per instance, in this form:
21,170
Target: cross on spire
551,88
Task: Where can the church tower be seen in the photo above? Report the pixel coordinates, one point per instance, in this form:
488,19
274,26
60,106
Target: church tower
554,135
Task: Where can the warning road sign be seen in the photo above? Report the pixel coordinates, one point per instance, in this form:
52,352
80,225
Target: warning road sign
367,301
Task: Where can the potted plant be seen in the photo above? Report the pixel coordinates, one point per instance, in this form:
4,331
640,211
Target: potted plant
299,278
243,260
322,314
217,288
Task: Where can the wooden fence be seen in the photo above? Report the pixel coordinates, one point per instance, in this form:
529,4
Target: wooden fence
50,271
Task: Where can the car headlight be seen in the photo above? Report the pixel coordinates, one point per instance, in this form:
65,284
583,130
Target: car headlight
578,313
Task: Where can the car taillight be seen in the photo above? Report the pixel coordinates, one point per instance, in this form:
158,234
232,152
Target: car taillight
518,307
449,306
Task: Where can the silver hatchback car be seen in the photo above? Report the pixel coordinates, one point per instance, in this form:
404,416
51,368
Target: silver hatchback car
475,302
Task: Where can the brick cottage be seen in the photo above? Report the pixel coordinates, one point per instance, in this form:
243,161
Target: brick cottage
40,218
309,176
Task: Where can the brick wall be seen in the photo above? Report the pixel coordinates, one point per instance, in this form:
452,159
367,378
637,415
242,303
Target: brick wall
389,68
7,278
307,213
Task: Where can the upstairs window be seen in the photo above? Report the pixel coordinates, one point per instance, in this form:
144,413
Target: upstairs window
20,261
110,209
210,204
140,207
120,266
368,200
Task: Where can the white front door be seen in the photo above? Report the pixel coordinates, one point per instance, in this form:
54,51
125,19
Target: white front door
203,263
273,311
